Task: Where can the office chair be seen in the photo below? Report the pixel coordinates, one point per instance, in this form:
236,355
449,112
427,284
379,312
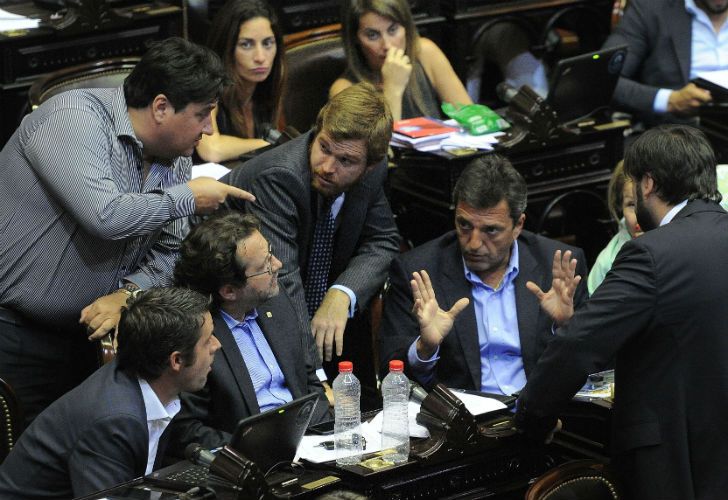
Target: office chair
575,480
578,217
11,419
572,31
96,74
315,59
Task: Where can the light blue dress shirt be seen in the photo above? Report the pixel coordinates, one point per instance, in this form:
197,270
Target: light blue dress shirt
265,373
501,364
709,50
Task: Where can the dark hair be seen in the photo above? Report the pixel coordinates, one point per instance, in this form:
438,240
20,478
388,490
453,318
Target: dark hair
396,10
679,159
208,255
615,191
183,71
223,39
488,180
156,323
358,112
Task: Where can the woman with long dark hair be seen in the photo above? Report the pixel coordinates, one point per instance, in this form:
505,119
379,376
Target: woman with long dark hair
247,37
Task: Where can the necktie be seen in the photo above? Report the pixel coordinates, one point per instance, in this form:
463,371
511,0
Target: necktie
319,258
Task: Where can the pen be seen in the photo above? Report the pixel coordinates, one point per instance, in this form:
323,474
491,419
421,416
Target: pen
329,445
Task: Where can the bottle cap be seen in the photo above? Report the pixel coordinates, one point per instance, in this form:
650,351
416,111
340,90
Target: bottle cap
396,366
346,366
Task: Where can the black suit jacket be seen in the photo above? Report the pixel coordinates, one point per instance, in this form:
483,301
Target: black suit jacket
209,416
459,364
662,310
92,438
366,237
659,36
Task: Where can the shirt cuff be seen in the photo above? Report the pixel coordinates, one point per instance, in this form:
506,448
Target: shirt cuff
352,298
422,369
321,375
139,279
661,100
183,199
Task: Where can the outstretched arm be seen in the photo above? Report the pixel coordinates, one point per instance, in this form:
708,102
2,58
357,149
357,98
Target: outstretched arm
558,302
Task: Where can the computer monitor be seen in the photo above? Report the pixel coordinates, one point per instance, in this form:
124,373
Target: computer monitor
582,84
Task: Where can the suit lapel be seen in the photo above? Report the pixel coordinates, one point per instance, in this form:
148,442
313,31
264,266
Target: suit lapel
276,331
527,307
465,328
235,363
680,29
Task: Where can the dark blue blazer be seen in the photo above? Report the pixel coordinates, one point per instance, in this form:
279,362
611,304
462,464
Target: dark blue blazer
92,438
459,364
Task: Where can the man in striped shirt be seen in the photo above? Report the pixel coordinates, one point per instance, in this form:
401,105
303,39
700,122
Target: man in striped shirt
94,193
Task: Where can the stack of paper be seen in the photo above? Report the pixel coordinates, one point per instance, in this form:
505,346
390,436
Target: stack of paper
14,22
423,134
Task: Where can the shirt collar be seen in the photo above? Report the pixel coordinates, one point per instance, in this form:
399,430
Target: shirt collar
691,7
232,322
154,407
120,117
673,212
510,274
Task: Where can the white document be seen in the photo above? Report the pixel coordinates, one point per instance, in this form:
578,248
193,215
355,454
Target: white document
12,22
719,77
214,170
310,448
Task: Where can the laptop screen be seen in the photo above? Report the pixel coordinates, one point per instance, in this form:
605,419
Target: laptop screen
273,437
582,84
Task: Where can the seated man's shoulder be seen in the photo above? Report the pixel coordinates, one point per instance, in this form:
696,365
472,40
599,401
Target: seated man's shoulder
544,246
431,252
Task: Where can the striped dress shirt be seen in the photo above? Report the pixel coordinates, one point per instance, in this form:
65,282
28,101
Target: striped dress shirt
77,215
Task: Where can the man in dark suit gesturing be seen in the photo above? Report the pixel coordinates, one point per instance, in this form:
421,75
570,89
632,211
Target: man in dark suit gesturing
475,326
662,311
332,174
263,363
107,430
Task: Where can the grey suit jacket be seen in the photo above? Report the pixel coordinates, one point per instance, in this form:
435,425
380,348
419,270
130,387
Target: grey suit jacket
659,36
209,416
92,438
662,310
366,237
459,364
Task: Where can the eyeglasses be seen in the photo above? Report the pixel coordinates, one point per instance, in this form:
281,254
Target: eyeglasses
269,264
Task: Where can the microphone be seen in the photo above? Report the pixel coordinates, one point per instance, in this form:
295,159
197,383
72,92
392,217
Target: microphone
417,392
198,455
505,92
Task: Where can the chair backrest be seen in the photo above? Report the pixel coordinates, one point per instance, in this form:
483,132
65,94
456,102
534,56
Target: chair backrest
315,58
98,74
11,419
587,479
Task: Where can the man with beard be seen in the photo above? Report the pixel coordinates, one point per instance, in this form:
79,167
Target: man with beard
661,311
321,202
475,324
670,42
110,429
263,363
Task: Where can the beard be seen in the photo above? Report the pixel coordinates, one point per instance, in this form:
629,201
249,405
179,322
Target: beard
644,217
712,7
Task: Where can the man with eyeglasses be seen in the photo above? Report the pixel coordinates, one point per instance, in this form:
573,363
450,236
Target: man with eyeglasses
262,363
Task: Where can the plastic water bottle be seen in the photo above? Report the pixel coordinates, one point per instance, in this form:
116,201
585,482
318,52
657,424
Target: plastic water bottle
395,424
347,416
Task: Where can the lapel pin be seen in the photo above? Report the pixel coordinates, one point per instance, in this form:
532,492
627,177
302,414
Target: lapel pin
269,314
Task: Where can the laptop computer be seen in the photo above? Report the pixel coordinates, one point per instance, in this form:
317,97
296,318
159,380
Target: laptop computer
267,439
585,83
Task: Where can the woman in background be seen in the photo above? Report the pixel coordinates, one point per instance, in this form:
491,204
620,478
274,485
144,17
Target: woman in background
247,37
620,195
383,47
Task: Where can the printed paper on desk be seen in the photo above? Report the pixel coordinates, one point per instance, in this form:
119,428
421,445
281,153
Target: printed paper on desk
464,140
